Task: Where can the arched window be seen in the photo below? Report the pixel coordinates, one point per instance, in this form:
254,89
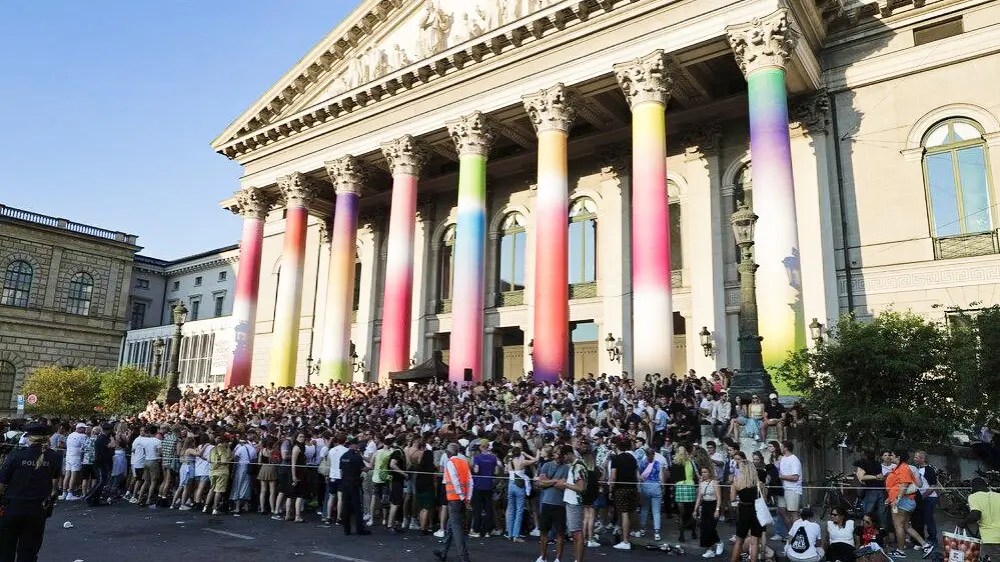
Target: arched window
583,241
743,188
956,178
446,271
17,284
357,284
513,241
8,375
81,290
676,248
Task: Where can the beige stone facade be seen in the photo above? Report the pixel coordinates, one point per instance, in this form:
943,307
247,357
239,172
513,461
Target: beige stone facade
65,295
870,84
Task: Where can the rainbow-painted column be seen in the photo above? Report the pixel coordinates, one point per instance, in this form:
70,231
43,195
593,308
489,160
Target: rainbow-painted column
551,112
473,135
252,204
405,156
762,48
647,88
299,191
348,178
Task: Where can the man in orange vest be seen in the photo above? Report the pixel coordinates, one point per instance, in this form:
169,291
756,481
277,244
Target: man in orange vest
458,490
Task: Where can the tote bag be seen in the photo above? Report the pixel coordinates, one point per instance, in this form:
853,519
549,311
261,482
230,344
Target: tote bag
763,513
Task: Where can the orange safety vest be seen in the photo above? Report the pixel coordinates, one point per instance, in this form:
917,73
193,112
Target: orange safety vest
457,467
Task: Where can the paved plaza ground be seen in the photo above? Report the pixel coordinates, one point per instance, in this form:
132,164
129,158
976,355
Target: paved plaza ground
126,532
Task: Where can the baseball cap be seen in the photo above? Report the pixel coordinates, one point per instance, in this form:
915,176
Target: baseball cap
773,396
81,426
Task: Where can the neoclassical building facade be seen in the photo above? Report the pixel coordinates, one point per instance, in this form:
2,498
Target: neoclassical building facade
520,183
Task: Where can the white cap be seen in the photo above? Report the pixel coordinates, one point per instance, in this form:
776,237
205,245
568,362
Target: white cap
81,426
463,442
773,395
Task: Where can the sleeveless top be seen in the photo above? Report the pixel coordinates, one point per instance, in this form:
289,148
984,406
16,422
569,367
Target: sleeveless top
708,492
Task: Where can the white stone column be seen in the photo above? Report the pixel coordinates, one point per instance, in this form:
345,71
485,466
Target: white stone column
811,152
702,216
361,330
614,236
422,293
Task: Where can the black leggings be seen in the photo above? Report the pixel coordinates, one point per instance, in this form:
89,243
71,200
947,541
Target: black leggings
686,511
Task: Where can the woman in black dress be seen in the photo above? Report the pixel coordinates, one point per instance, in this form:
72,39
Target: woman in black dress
746,489
295,501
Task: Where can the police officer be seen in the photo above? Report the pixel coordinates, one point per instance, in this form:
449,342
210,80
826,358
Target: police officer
352,468
28,486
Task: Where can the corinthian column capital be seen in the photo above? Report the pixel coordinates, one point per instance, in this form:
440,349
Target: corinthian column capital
253,203
551,108
763,42
645,79
473,134
406,155
347,174
299,189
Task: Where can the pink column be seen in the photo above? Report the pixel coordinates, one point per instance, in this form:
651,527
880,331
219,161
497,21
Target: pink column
405,156
647,88
253,205
299,191
552,115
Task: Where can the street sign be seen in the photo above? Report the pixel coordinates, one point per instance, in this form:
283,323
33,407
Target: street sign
32,399
20,403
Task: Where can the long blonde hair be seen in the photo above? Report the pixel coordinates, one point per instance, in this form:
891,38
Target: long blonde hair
747,477
44,442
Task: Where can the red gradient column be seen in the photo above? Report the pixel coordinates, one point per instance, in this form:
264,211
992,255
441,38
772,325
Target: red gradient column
552,115
406,156
252,204
647,88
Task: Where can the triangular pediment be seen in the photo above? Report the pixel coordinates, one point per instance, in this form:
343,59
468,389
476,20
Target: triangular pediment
378,38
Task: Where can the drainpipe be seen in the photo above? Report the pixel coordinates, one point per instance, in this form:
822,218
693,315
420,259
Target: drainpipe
840,195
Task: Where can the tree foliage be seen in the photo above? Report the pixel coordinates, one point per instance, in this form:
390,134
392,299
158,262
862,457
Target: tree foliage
63,392
880,380
976,364
127,390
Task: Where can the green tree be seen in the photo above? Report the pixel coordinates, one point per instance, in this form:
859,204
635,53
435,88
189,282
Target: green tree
127,390
975,336
63,392
879,381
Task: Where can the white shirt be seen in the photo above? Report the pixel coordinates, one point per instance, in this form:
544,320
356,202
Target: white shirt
812,536
139,452
923,483
334,456
719,460
152,447
843,534
572,497
787,466
74,446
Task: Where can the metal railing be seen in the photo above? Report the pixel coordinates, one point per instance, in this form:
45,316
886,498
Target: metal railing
583,290
53,222
444,306
966,246
510,298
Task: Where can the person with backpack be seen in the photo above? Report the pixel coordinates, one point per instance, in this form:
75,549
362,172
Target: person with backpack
574,488
804,545
397,478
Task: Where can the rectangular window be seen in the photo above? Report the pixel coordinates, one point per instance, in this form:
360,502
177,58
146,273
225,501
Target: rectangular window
138,315
142,283
176,286
222,276
975,191
937,31
941,180
357,285
197,281
195,308
219,301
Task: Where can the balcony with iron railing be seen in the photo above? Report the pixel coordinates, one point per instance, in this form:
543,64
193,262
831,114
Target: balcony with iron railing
966,245
63,224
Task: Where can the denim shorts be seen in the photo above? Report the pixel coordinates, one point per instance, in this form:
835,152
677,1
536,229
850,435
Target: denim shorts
906,504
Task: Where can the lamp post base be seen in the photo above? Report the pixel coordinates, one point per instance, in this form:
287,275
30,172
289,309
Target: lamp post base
748,383
173,391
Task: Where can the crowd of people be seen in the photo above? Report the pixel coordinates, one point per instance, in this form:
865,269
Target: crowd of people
600,460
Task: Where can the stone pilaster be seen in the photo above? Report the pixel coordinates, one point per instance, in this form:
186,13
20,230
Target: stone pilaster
645,79
763,42
552,108
406,155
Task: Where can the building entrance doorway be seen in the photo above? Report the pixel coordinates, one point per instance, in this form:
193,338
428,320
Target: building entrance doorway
584,347
508,354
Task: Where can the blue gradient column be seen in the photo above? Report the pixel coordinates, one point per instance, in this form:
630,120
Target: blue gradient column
473,136
762,48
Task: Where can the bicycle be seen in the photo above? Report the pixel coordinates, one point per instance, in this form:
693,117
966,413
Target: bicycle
840,493
953,495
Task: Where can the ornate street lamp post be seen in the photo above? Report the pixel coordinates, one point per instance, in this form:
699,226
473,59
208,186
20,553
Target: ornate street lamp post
816,331
751,378
173,391
614,347
158,344
311,369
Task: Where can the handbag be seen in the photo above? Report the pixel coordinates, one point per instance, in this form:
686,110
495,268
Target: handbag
763,512
960,547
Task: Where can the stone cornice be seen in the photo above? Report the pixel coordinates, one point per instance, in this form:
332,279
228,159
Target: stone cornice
263,129
645,79
552,108
347,174
473,134
763,42
298,189
406,155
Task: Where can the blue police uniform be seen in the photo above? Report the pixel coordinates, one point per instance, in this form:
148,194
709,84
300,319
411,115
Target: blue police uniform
23,506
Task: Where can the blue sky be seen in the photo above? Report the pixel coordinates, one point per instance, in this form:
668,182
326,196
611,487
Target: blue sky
109,107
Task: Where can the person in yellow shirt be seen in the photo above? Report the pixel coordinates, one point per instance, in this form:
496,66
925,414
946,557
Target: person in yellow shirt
984,507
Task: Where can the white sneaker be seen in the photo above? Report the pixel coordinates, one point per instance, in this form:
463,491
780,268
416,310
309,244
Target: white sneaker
709,554
540,559
624,546
72,497
637,534
439,533
656,537
184,508
62,496
535,533
593,544
777,538
414,525
718,549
